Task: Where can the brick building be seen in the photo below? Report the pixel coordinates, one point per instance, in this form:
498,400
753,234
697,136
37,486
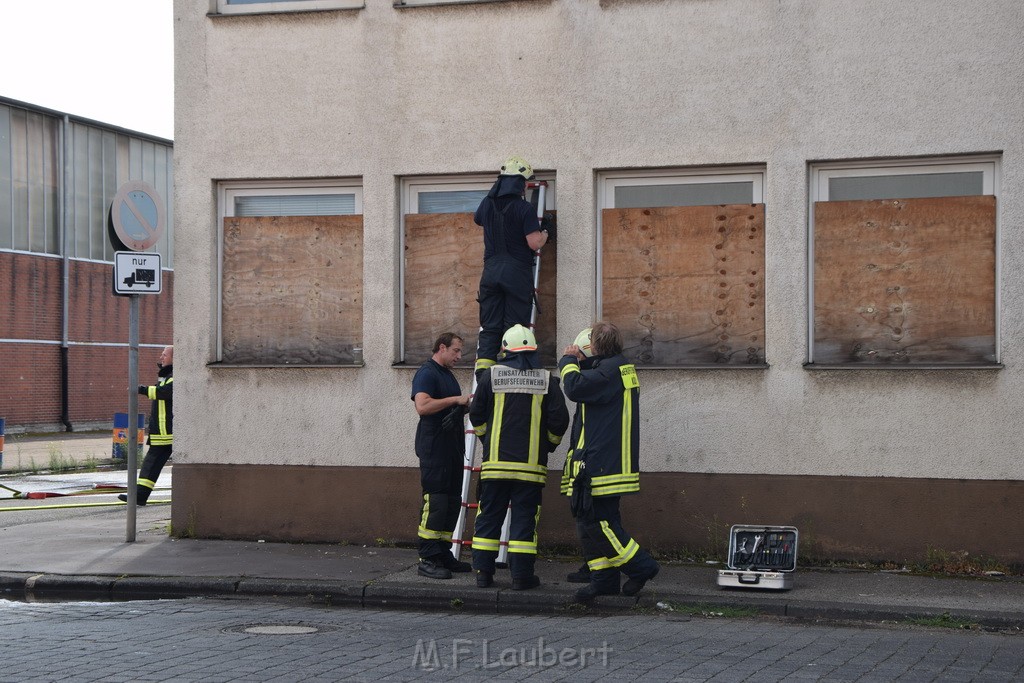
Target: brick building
63,334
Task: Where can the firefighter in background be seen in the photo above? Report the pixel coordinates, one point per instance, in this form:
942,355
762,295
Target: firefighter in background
519,414
608,460
440,447
161,427
571,466
512,234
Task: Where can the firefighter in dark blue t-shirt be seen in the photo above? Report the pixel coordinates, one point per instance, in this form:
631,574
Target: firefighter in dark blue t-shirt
440,447
512,235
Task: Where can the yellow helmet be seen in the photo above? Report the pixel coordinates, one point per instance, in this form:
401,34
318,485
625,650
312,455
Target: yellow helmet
518,338
516,165
583,342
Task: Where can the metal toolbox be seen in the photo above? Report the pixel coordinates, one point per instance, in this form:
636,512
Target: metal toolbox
760,557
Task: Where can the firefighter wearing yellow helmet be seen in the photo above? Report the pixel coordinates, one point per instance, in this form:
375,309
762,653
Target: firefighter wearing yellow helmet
512,236
519,414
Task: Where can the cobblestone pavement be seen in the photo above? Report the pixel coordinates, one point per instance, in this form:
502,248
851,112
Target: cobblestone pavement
214,640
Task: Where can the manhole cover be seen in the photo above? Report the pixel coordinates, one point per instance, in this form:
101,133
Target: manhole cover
277,629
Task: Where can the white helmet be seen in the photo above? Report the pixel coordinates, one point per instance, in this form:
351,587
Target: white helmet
583,342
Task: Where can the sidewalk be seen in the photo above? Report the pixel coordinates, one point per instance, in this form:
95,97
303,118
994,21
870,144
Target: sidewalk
82,554
54,450
85,557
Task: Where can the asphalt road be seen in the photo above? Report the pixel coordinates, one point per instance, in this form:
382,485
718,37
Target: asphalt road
215,640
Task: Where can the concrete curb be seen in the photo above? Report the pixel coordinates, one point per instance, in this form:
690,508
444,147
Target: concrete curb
410,596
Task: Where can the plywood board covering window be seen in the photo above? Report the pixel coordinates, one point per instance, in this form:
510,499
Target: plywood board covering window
292,289
444,256
905,281
685,284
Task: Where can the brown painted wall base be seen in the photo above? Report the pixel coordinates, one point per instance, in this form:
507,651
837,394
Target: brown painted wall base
842,518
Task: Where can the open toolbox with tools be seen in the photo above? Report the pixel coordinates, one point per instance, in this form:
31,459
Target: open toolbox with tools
760,557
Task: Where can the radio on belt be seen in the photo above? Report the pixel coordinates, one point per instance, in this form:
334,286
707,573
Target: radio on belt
760,557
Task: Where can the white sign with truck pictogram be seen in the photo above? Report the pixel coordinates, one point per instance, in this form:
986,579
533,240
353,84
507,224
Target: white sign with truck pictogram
137,273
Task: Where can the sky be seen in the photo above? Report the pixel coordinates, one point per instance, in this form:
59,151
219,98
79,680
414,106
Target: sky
107,60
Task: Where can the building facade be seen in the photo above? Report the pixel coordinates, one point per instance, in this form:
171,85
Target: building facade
801,214
63,333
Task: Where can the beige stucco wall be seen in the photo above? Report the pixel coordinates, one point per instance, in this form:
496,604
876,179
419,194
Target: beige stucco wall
578,86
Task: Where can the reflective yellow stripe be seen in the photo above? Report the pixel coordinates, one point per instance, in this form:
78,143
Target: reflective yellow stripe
627,422
624,553
492,544
148,483
151,393
423,519
483,364
511,465
571,367
499,414
615,490
525,547
429,535
615,478
554,438
535,404
583,425
612,538
515,476
481,430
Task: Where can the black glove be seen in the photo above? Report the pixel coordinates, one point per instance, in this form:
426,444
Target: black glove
144,390
453,418
582,502
549,223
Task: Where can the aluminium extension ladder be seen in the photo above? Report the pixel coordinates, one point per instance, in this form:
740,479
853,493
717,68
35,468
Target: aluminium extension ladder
469,465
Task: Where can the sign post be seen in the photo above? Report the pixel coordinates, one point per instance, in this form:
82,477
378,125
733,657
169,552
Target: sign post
137,221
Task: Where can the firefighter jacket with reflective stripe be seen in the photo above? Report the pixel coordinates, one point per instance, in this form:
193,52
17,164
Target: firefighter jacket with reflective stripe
520,416
161,413
608,446
571,467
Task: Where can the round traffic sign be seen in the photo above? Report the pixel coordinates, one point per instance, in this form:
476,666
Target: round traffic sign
138,215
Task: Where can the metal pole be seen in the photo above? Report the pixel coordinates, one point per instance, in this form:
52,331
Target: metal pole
133,411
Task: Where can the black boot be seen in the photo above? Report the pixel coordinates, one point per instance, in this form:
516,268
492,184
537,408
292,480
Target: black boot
526,583
635,584
581,575
587,594
140,501
484,579
433,570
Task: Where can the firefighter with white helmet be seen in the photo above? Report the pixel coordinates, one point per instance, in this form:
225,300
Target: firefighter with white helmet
512,235
570,469
519,414
606,462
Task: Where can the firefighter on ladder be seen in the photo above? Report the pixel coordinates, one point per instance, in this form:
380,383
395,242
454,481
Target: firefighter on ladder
512,233
606,463
519,414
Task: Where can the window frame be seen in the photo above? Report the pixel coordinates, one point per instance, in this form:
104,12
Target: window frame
223,7
403,4
607,181
411,187
228,190
818,176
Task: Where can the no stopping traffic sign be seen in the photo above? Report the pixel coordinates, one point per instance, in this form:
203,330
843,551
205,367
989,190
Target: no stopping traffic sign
138,216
